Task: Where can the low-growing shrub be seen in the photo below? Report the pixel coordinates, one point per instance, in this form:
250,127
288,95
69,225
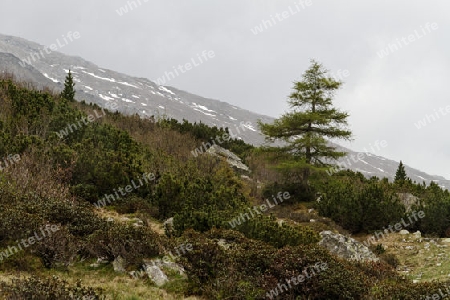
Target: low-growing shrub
47,288
226,265
127,241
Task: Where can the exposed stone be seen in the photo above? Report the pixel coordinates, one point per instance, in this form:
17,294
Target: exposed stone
417,234
246,177
231,158
168,227
223,243
447,240
137,222
156,275
346,247
119,264
162,264
102,260
403,231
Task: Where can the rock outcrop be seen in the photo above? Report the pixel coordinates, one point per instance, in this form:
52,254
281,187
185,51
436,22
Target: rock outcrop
231,158
346,247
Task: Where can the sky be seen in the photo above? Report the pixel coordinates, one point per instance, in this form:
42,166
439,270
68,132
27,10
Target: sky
393,57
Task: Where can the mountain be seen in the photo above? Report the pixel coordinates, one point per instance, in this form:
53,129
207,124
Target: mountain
30,62
373,165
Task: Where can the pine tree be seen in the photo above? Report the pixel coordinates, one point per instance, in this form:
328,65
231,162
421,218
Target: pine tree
400,174
307,128
69,92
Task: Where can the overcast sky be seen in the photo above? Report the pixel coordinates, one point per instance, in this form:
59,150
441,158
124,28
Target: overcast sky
385,96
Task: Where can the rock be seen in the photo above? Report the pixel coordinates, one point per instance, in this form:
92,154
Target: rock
102,260
403,231
312,221
119,265
346,247
223,243
310,210
166,265
137,222
156,275
246,177
168,227
231,158
417,234
110,219
447,240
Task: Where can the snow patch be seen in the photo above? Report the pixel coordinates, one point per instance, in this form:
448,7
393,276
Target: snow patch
205,113
52,79
128,84
105,97
202,107
89,88
102,78
163,88
249,127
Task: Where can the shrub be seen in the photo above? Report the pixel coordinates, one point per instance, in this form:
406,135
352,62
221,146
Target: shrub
226,265
267,229
59,249
360,207
130,242
47,288
299,192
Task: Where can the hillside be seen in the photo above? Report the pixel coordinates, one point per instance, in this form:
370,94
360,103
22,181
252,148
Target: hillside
146,98
88,207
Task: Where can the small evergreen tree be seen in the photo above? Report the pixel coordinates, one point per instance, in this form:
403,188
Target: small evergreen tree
400,175
69,92
307,129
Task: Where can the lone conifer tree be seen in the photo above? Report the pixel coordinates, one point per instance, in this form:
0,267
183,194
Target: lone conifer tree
400,175
68,92
307,127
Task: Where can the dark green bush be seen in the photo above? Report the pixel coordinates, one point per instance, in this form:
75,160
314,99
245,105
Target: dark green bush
361,207
47,288
267,229
127,241
299,192
226,265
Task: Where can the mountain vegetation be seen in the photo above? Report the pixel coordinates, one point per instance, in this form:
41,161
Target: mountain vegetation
108,169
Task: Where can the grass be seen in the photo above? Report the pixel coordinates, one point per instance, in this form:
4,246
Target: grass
120,286
421,259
